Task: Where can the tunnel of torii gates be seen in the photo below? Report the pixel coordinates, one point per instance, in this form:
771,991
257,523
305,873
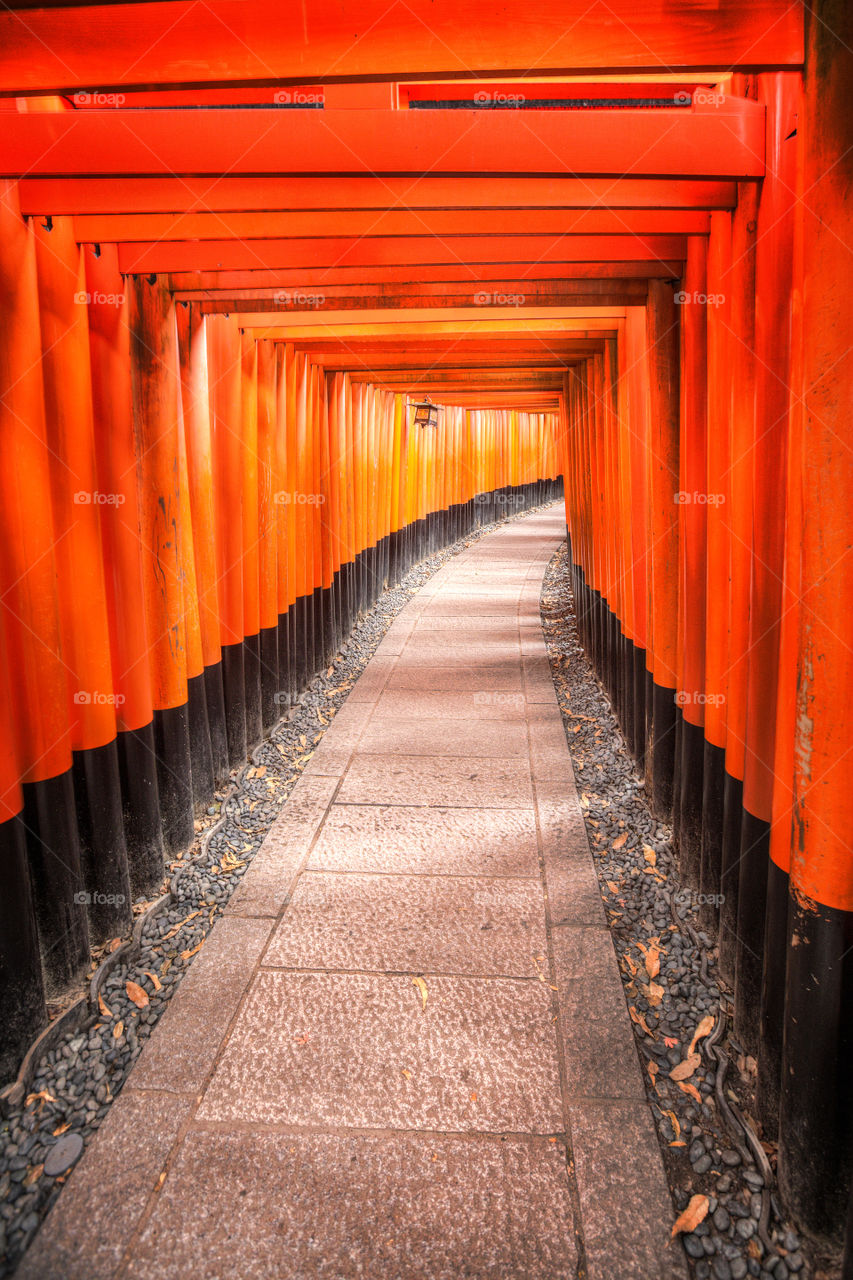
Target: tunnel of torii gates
238,245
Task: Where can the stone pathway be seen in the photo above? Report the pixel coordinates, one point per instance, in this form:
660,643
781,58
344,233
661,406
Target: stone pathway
404,1051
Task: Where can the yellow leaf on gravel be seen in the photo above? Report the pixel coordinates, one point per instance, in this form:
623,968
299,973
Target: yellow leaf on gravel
617,844
118,1029
687,1087
656,994
422,987
612,886
706,1026
188,955
107,1012
153,976
33,1175
650,856
63,1128
640,1020
696,1212
686,1068
136,994
41,1097
653,961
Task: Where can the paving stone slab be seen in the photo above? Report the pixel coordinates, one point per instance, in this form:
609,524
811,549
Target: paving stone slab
491,679
461,704
626,1209
465,737
339,1207
186,1040
388,924
326,1049
91,1224
477,782
399,840
598,1042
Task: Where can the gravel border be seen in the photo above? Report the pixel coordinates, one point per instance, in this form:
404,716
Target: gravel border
669,972
79,1063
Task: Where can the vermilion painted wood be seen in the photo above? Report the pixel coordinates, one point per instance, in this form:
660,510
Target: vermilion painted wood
722,139
213,193
248,255
265,225
388,279
180,43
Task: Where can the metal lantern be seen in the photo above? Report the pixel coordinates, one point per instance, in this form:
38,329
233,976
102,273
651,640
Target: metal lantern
426,413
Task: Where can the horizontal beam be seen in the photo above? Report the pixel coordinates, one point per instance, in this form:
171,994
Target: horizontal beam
183,43
499,328
115,228
314,324
446,295
248,255
167,194
715,139
375,280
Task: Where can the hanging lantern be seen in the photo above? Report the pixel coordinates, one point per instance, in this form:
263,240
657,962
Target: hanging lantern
426,413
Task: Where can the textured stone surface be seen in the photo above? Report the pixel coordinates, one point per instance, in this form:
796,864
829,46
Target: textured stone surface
480,782
185,1042
468,679
598,1044
475,704
337,1207
411,923
482,1055
90,1226
489,842
625,1205
465,737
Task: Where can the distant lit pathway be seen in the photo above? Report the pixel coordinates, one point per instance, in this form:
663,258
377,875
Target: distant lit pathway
306,1108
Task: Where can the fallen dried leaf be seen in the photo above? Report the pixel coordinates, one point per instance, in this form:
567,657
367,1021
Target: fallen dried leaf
188,955
696,1212
650,856
617,844
706,1026
107,1012
118,1029
678,1143
41,1098
653,961
63,1128
683,1070
422,987
137,994
304,1038
406,1073
687,1087
640,1021
656,994
612,886
670,1042
33,1175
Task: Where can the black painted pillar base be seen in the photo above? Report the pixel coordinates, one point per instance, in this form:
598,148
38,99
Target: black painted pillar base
201,755
713,778
772,1017
59,895
691,775
143,833
174,777
252,680
751,914
269,677
22,1007
661,767
234,691
103,854
816,1104
215,699
730,874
